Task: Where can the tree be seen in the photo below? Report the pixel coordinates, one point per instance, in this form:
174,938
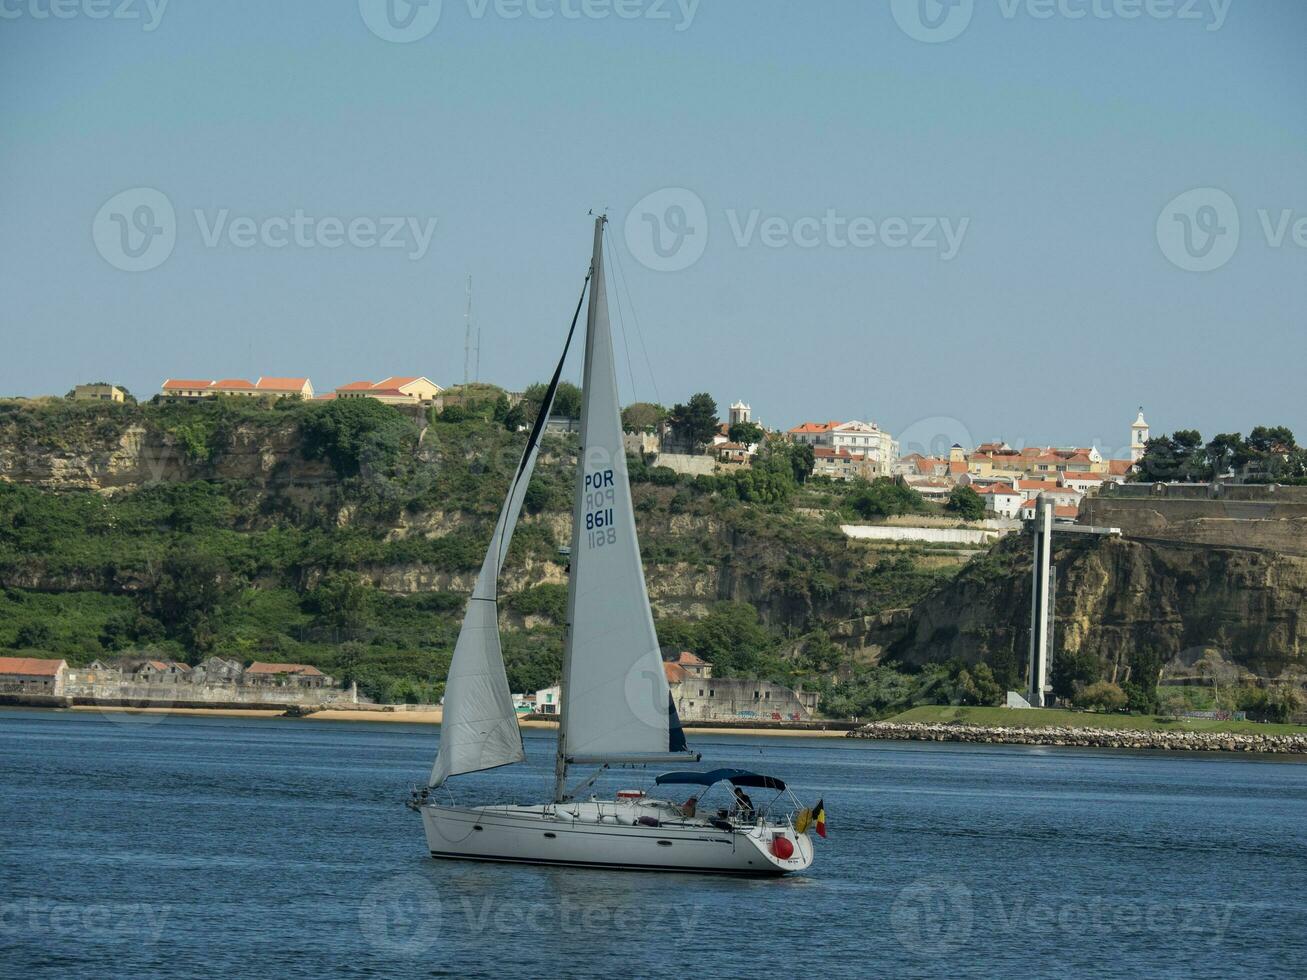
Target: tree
567,401
745,433
536,497
351,431
802,460
966,503
191,596
695,422
1225,452
1101,696
643,416
1267,439
34,636
884,497
1180,456
1072,671
341,601
976,685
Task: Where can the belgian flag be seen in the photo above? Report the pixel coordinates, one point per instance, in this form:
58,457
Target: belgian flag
819,818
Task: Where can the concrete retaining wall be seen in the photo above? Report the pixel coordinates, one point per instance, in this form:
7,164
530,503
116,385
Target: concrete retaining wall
686,464
928,535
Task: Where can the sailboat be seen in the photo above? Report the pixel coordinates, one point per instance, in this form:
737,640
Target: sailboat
617,709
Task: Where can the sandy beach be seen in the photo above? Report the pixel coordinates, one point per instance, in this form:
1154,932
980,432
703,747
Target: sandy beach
431,716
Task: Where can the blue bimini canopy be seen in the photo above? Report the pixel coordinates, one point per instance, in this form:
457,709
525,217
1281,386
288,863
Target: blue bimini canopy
736,777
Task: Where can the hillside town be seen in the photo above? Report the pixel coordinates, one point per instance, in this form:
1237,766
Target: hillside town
1011,481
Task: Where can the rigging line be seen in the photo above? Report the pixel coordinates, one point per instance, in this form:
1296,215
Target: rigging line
542,418
636,318
621,322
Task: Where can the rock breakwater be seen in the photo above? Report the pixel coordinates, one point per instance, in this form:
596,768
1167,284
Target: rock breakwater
1102,738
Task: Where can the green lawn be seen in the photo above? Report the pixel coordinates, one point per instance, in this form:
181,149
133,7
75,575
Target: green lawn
1050,717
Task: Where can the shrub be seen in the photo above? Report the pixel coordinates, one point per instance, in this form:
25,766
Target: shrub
1101,696
662,476
352,432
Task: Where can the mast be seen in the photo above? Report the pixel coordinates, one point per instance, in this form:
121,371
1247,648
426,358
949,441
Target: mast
467,334
596,264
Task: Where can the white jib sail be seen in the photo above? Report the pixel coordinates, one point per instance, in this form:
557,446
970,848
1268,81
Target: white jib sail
615,697
478,729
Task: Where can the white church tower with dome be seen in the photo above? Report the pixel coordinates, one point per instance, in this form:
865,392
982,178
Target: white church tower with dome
1138,437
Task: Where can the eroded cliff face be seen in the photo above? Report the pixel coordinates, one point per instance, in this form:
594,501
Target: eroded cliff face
1117,597
798,572
112,458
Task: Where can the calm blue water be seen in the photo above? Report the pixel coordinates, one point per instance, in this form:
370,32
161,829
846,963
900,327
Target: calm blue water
181,846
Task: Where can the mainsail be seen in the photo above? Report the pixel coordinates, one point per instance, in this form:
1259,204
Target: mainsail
479,727
616,702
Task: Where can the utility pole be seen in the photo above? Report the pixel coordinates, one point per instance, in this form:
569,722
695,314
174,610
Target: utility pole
467,333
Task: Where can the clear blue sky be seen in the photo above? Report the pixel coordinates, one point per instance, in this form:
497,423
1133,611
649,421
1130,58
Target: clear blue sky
1058,140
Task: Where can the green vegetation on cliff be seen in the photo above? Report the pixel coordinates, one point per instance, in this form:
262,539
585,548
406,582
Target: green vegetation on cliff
346,534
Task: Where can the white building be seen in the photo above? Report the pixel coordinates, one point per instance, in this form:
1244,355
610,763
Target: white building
878,448
1138,437
548,700
1002,499
741,412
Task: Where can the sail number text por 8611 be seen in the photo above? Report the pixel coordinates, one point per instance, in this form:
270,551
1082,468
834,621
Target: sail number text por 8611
599,500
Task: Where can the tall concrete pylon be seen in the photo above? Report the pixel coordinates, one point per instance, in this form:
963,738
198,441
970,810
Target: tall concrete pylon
1041,608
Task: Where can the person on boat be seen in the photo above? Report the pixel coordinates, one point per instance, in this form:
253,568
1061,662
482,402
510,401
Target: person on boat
689,806
743,803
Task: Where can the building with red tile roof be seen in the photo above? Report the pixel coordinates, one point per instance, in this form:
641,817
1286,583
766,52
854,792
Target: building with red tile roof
285,675
397,390
32,675
192,389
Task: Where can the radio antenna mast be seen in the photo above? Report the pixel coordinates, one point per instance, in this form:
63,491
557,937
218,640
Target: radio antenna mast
467,333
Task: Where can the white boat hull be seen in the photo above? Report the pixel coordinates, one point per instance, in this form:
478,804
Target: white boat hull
606,835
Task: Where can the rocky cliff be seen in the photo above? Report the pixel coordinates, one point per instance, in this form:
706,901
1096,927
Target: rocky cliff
1118,598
